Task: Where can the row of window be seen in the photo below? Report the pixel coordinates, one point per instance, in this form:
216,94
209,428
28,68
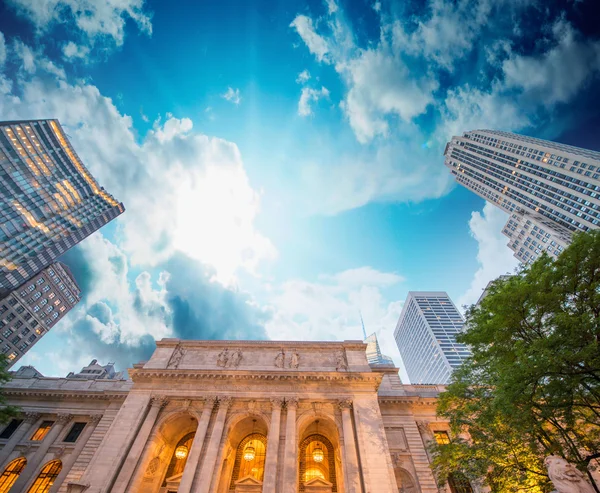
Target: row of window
43,429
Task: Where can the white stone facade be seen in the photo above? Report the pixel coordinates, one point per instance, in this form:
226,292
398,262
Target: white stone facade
219,400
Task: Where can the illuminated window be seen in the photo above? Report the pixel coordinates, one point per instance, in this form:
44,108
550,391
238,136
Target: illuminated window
179,459
42,431
317,460
46,477
11,473
254,467
441,437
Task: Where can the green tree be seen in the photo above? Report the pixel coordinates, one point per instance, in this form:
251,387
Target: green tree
6,412
532,385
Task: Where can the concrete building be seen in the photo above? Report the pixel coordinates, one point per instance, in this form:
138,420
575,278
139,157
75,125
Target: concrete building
49,201
219,417
551,190
426,337
31,310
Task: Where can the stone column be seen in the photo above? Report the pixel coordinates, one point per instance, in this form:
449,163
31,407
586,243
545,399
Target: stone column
189,471
270,477
352,467
20,432
290,459
133,458
210,458
31,469
67,464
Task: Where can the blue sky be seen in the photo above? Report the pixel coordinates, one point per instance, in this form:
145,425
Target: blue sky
281,162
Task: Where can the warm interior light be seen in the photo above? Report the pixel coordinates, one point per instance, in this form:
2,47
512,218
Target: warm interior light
318,454
181,452
249,453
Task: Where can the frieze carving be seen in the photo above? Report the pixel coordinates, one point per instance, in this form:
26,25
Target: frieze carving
280,359
95,419
176,357
63,419
32,417
345,403
159,401
277,402
223,358
236,358
294,360
291,402
210,400
225,401
341,363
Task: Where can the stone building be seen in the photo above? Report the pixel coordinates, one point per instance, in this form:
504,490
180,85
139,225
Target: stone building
225,417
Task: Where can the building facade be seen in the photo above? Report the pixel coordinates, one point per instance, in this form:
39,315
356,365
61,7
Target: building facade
220,417
426,337
29,312
49,201
545,186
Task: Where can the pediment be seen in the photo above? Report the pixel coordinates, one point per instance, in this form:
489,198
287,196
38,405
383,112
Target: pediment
317,482
248,481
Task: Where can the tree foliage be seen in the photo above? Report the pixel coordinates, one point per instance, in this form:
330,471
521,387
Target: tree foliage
532,385
6,412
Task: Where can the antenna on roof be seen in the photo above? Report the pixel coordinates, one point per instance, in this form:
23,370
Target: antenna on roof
362,322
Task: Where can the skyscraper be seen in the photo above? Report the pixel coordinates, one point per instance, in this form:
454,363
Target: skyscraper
374,354
49,201
426,337
551,190
27,313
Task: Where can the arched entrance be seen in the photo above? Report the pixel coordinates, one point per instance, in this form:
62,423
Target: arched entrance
404,480
317,462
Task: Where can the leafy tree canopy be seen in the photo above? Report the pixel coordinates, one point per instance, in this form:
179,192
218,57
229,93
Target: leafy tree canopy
532,385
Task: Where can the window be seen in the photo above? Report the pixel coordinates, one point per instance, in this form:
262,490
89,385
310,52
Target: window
74,432
11,473
441,437
46,478
46,288
51,295
176,465
459,483
10,428
41,280
42,431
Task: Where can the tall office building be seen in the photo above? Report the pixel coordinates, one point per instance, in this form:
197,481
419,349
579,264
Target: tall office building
374,354
550,190
426,337
27,313
49,201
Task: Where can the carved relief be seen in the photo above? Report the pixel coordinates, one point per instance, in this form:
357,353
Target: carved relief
280,359
158,401
63,419
291,402
294,359
176,357
153,466
95,419
236,358
341,364
223,358
225,401
32,417
345,403
277,402
565,477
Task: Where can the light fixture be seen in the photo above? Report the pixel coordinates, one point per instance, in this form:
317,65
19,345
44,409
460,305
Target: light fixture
181,452
318,454
249,452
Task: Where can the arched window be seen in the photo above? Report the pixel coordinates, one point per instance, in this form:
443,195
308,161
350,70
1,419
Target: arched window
46,477
250,458
313,448
459,483
180,455
11,473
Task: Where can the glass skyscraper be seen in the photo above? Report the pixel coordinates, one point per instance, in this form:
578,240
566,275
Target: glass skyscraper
426,337
551,190
49,201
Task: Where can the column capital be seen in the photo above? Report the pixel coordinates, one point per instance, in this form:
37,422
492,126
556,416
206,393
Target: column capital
159,401
225,401
32,417
63,419
95,419
291,402
277,402
210,400
344,403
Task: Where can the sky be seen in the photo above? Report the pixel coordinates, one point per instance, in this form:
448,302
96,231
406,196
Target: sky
281,163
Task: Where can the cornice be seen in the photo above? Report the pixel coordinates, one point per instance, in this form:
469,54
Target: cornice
408,399
351,344
69,394
139,375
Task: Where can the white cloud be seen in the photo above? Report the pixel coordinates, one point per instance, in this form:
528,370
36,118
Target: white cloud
557,74
331,6
308,96
2,49
303,77
493,255
233,95
364,276
182,190
72,50
315,43
93,19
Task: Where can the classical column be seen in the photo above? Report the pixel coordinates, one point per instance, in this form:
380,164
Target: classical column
67,464
132,459
290,459
270,477
31,469
210,458
352,468
17,436
191,465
